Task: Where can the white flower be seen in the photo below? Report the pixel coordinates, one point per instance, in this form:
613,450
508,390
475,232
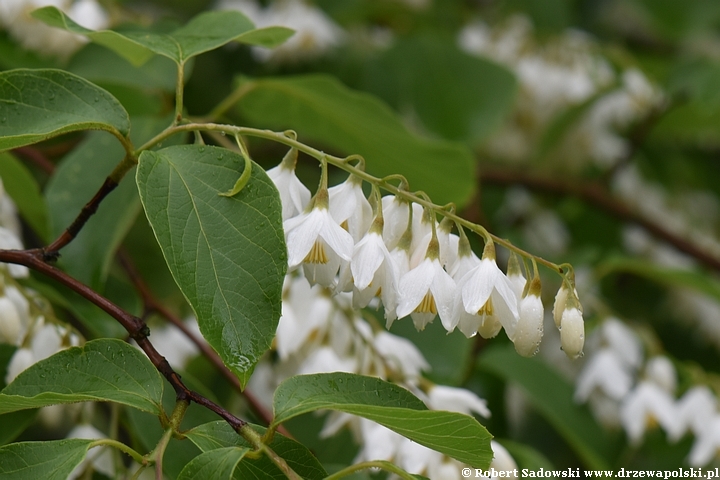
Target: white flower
706,444
378,442
502,460
396,213
8,211
314,239
350,208
606,372
325,360
487,297
623,342
47,341
695,411
425,291
529,329
374,272
453,399
572,332
661,371
646,404
401,355
294,196
305,313
22,359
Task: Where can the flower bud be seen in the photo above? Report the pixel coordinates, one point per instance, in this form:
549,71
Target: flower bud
572,332
529,331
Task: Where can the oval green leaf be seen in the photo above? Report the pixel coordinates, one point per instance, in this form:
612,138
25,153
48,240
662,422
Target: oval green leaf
101,370
553,397
227,254
218,435
214,465
203,33
47,460
39,104
454,434
321,109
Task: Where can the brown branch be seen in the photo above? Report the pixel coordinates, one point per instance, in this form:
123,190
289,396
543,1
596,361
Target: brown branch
51,251
152,305
136,327
596,195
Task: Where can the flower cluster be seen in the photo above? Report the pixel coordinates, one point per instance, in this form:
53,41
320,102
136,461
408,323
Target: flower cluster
554,76
320,331
35,35
315,32
416,266
624,392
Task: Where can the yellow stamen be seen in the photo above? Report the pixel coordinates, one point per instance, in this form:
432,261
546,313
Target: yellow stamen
345,226
427,305
486,309
317,253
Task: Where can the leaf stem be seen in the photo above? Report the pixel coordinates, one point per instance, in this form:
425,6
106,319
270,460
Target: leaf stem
120,446
179,87
387,466
256,441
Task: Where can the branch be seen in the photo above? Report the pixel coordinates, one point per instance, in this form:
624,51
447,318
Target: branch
596,195
136,328
152,305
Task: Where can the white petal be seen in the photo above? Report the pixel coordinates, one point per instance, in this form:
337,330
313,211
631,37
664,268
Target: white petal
529,329
478,284
368,255
572,333
302,232
443,289
413,287
337,238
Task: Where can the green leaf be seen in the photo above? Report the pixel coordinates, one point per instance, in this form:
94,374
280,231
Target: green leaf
552,396
97,64
323,110
14,423
218,434
214,465
39,104
671,277
203,33
47,460
526,456
227,254
454,434
102,370
25,192
455,95
268,37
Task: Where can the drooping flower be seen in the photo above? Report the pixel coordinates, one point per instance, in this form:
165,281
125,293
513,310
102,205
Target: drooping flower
605,372
426,291
454,399
485,300
315,240
572,332
646,405
294,196
529,328
350,208
695,411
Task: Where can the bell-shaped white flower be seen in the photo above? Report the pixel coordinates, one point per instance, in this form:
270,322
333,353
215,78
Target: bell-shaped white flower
453,399
318,242
485,299
572,332
350,208
294,196
529,328
427,290
374,271
396,213
623,341
605,372
706,444
695,410
22,359
514,274
400,354
561,300
661,371
647,404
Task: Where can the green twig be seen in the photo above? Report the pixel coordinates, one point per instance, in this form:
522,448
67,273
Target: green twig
257,442
109,442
